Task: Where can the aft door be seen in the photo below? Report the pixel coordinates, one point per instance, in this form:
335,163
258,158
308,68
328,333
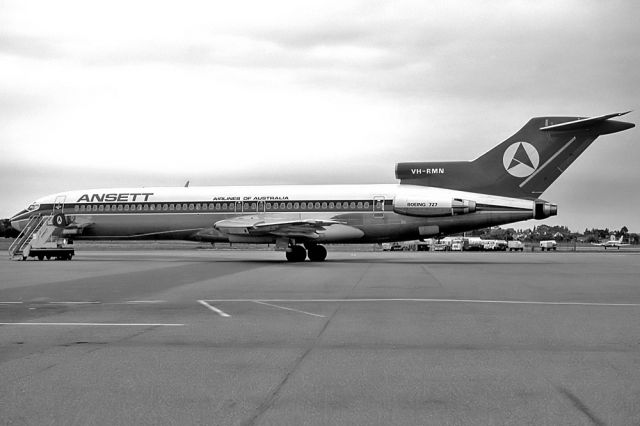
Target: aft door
378,207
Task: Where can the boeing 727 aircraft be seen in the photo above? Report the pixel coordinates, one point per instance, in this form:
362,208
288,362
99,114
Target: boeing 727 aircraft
432,199
612,243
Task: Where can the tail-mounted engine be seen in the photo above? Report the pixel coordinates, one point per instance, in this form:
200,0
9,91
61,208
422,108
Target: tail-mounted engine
544,209
412,206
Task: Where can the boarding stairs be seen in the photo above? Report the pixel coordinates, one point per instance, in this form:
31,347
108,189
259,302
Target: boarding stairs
38,233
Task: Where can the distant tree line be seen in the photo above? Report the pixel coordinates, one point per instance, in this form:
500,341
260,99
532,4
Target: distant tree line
6,230
559,233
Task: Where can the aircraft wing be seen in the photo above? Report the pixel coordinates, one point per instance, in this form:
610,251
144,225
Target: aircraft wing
262,226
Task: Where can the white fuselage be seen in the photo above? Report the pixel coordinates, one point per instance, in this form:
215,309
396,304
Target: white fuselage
367,213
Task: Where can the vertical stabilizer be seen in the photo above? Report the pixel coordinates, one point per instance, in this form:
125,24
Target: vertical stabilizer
522,166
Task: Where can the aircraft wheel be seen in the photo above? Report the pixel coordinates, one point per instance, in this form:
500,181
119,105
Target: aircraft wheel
297,254
317,253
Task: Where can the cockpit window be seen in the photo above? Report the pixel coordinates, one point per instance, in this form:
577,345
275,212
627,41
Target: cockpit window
33,207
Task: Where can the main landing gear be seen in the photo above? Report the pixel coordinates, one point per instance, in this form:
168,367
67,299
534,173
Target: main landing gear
298,253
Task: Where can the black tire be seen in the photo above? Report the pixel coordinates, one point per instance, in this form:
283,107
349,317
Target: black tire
317,253
40,257
297,254
59,220
48,257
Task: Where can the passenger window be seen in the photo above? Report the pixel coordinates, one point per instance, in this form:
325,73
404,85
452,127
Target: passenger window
82,207
296,206
282,206
120,208
366,204
76,208
211,206
253,206
165,207
198,206
268,205
331,205
352,205
107,208
324,206
101,208
359,205
289,206
139,207
152,207
126,207
303,206
184,207
178,207
191,207
145,207
317,205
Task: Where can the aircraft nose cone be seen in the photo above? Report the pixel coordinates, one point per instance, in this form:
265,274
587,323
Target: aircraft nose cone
18,225
19,221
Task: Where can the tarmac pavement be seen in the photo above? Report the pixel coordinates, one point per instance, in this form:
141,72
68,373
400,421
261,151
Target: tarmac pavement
245,338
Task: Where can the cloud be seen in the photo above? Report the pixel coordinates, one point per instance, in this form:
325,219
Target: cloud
283,91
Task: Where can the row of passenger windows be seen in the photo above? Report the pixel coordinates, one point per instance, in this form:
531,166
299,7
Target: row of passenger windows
228,207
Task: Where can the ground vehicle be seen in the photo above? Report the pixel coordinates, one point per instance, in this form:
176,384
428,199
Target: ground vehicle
496,245
424,245
548,245
441,246
515,245
475,243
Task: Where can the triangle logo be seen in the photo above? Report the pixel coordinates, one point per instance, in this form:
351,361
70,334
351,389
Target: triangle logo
521,159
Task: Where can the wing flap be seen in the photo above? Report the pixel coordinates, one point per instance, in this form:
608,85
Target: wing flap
256,226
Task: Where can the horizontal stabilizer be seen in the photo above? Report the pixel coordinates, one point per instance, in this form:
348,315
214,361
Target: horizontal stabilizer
583,123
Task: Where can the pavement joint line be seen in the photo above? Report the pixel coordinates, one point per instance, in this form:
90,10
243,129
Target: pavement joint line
506,302
75,303
290,309
214,309
11,303
93,324
145,301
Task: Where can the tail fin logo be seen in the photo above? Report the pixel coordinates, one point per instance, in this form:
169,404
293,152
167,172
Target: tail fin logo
521,159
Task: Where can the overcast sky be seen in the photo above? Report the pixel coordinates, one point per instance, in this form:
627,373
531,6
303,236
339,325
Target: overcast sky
129,93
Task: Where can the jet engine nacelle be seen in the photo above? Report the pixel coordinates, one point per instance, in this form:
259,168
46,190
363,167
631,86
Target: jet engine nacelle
413,206
544,209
